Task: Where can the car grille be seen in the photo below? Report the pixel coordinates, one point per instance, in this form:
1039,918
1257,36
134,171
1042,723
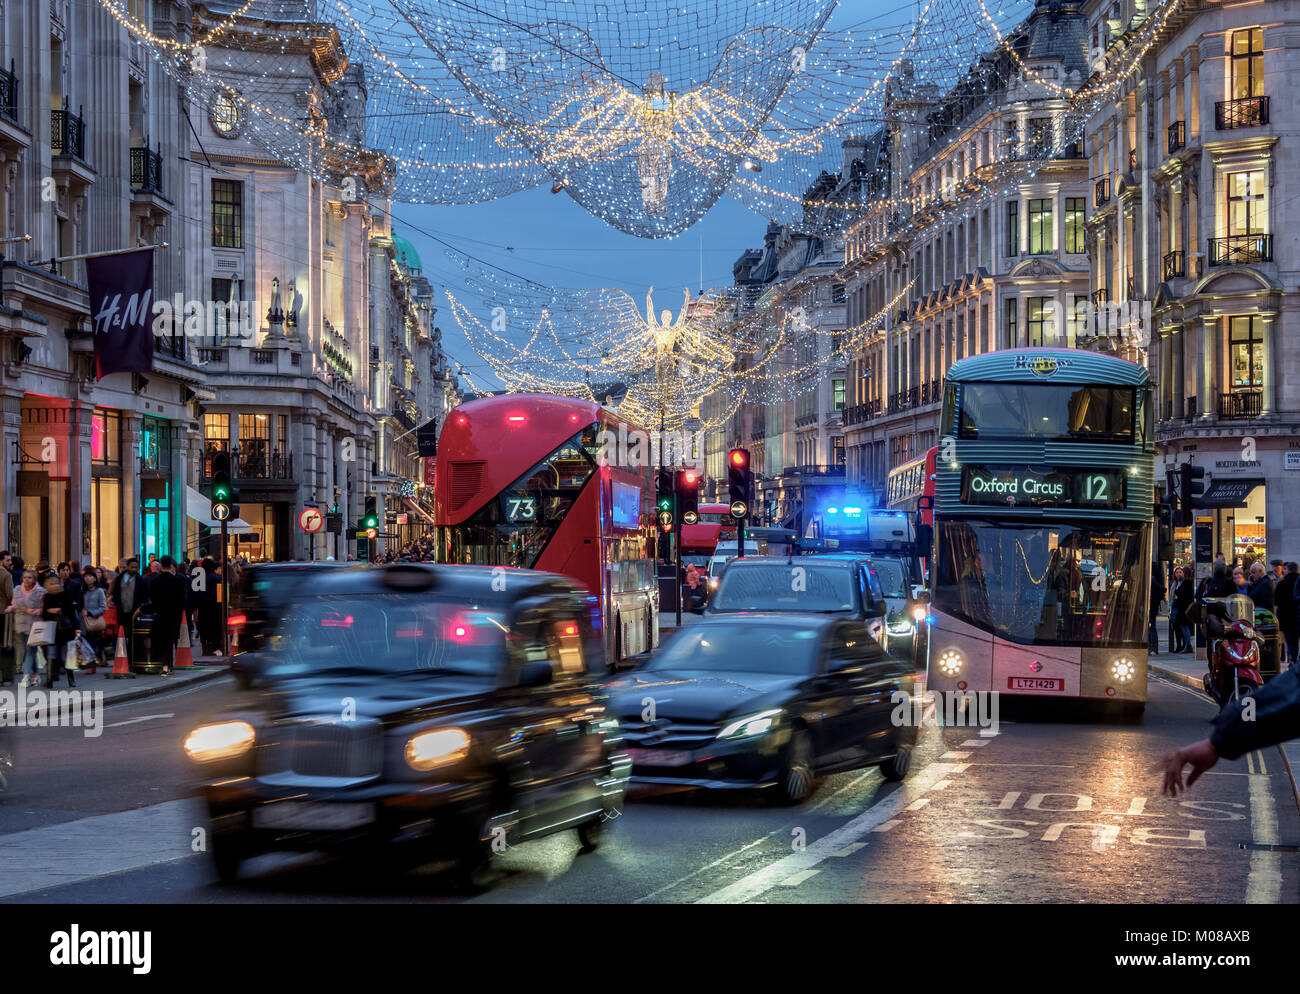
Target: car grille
667,733
326,748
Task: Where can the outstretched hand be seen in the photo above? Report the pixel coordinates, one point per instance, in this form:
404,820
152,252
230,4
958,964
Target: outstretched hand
1200,755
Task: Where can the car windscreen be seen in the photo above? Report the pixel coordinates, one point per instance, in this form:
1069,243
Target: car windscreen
792,586
387,633
743,645
893,581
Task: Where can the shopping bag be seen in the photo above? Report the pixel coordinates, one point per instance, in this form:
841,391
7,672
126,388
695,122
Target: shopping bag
42,633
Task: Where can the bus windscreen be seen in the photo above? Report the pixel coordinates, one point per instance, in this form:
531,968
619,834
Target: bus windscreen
1050,411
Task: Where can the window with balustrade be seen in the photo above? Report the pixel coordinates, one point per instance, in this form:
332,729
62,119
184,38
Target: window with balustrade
1247,63
1246,352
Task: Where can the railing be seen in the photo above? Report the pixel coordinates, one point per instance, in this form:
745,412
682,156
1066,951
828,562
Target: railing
212,355
859,413
1175,265
1100,297
146,170
9,93
1240,249
171,345
805,419
1240,404
67,134
262,357
913,396
1177,136
1101,192
1246,112
257,465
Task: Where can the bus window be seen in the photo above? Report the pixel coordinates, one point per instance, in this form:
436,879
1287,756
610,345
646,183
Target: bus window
1057,411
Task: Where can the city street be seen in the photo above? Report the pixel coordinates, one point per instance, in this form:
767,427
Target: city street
1042,812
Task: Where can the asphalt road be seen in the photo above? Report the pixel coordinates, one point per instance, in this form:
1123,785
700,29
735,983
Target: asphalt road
1044,811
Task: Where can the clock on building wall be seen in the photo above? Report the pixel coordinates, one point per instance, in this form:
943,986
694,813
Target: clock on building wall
224,116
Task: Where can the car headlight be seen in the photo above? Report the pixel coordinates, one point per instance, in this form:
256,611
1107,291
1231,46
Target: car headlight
1123,669
950,662
903,627
754,724
918,613
440,747
222,740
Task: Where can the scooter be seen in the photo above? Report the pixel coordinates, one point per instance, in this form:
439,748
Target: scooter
1234,649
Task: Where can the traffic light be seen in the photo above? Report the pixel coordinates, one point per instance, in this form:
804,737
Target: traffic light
665,500
686,485
1166,512
223,493
738,482
1190,487
371,520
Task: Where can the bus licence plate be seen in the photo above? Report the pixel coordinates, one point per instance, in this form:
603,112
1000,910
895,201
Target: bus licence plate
1034,683
659,757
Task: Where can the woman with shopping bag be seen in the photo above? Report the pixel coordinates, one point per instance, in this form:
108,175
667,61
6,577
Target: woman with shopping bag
60,609
93,623
26,609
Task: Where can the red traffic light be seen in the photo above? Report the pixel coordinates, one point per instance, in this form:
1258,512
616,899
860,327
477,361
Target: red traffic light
690,479
739,457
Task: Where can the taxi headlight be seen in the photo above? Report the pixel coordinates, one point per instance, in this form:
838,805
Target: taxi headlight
950,662
1123,669
221,740
918,613
901,627
440,747
750,725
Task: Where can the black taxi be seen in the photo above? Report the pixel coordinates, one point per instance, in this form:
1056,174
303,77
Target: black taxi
419,713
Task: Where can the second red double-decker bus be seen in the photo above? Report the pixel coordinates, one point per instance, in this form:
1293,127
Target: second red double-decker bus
528,481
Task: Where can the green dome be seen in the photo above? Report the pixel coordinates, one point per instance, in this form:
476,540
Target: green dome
407,257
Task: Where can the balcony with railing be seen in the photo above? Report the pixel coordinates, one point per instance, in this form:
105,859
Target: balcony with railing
1245,112
1100,297
1240,404
146,170
9,93
1175,265
1177,136
813,470
1101,192
860,413
253,462
67,134
1241,249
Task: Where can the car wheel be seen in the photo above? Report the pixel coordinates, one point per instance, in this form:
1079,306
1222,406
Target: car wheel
897,766
797,782
590,833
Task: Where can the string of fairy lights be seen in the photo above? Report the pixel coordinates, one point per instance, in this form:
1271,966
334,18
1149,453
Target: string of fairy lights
645,119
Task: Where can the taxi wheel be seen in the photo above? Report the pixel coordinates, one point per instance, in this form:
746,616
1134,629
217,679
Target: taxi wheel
590,833
797,783
896,767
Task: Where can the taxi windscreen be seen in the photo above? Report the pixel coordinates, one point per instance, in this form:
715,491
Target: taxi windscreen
391,633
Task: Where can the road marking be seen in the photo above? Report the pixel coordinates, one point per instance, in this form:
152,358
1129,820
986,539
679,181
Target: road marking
143,717
850,849
799,878
760,881
975,743
989,733
918,804
941,785
73,851
886,826
1264,883
954,755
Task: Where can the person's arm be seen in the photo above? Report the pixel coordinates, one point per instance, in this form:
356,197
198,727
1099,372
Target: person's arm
1276,718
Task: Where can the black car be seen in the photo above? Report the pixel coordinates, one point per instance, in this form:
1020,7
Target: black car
259,598
758,700
843,585
417,712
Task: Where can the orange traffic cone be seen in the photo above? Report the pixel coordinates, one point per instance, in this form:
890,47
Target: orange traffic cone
184,659
121,668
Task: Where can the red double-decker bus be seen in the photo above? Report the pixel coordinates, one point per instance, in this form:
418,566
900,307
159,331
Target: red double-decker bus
527,481
715,527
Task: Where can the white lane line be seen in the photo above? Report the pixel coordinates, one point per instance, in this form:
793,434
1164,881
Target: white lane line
886,826
975,743
850,849
783,830
1264,884
941,785
143,717
918,804
760,881
989,733
798,878
955,755
72,851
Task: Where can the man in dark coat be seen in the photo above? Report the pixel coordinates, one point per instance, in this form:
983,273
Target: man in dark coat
167,598
127,594
1284,596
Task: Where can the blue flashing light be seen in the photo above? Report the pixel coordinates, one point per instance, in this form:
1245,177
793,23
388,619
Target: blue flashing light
832,510
929,619
853,510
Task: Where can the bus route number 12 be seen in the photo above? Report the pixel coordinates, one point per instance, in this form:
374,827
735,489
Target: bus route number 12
1096,488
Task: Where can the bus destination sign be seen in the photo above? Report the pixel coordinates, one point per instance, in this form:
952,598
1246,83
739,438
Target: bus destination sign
1024,486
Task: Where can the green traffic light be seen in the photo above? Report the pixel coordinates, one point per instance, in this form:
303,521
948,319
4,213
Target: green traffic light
221,492
372,522
665,503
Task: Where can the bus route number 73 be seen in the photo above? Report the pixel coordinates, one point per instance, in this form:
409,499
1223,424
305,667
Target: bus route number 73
521,509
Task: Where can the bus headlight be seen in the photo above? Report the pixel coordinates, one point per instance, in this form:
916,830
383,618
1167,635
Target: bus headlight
950,662
1123,669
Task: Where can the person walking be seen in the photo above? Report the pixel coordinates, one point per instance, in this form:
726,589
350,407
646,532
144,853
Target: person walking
8,657
1239,585
167,598
209,609
26,609
1158,590
94,605
1260,587
1284,599
1180,599
57,608
127,595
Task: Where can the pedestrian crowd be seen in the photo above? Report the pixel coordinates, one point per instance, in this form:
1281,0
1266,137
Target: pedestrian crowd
59,619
